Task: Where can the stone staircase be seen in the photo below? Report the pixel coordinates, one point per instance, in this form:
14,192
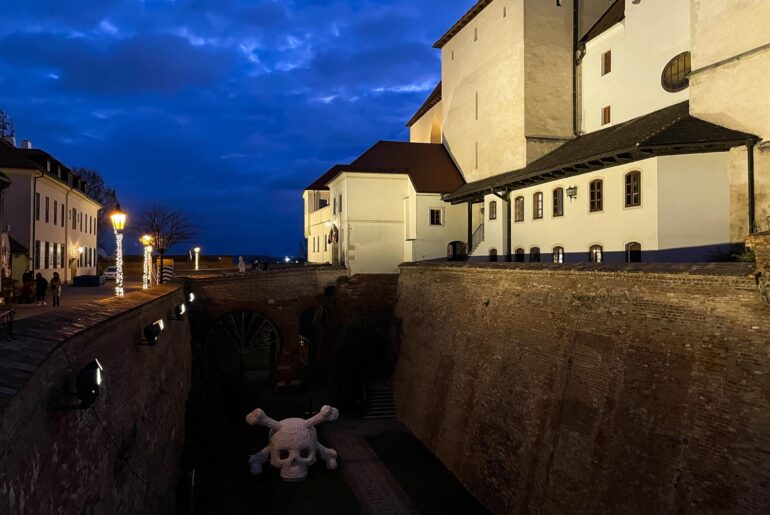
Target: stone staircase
380,403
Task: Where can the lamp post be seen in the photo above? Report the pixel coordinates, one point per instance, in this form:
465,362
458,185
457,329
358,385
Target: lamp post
147,272
197,251
118,218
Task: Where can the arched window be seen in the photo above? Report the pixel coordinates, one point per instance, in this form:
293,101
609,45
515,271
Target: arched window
633,189
537,205
558,202
558,254
519,208
595,254
674,77
633,252
596,197
534,255
519,256
493,210
493,254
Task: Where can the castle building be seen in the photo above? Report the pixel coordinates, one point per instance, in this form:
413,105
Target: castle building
49,214
582,131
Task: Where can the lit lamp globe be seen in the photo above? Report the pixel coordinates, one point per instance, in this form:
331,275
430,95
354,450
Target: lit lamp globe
197,251
118,218
146,241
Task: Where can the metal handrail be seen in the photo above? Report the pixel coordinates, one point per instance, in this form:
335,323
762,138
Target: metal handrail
478,238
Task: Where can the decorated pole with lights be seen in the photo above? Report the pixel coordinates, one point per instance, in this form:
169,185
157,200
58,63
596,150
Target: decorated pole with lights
197,251
147,269
118,218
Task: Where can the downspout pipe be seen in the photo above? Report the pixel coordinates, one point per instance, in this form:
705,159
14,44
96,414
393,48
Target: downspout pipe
35,208
470,229
750,164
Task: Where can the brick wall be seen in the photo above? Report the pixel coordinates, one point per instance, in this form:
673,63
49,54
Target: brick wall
279,295
122,455
567,389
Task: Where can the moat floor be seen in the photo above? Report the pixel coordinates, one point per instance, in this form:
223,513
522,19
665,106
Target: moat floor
383,469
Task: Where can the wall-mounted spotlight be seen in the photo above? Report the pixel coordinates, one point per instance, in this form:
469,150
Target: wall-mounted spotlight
191,297
179,311
87,386
152,332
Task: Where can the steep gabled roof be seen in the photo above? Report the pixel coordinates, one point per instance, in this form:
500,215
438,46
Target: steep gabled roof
668,131
611,17
462,22
433,99
428,165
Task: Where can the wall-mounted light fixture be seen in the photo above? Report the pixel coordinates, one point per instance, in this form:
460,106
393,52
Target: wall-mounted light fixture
87,386
152,332
572,192
179,311
191,297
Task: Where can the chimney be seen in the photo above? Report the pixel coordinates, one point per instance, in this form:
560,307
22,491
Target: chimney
26,144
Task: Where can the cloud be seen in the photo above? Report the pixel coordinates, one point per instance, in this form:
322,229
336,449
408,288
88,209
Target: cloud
226,108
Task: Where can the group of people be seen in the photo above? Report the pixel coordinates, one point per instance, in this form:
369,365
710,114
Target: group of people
36,287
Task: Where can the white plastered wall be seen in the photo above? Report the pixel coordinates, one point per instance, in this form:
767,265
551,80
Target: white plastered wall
652,33
428,128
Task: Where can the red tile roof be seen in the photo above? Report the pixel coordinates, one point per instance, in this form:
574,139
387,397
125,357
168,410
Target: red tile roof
429,166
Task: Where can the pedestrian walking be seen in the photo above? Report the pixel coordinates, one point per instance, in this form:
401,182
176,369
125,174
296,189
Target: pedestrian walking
41,286
55,286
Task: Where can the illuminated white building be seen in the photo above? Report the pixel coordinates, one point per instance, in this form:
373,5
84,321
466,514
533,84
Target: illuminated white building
49,213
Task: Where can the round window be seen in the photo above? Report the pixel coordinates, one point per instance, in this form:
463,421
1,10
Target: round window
675,73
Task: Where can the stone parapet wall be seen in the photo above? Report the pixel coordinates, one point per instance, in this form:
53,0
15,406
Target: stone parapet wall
121,456
567,389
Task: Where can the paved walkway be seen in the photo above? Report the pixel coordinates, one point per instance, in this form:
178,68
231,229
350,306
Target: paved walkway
72,296
376,490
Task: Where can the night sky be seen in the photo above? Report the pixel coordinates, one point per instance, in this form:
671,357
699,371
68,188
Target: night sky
225,108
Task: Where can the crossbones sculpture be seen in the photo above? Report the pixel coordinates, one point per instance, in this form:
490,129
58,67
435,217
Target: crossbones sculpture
293,444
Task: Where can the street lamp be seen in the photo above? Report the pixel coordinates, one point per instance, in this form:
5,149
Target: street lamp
147,273
197,251
118,218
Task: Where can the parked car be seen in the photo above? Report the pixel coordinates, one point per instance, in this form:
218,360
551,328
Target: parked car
111,273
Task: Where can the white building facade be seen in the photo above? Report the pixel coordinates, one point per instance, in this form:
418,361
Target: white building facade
50,214
577,139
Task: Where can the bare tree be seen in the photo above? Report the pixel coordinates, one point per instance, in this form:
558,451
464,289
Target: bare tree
97,189
166,226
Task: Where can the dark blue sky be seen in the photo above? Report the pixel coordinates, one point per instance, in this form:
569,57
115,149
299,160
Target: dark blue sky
226,108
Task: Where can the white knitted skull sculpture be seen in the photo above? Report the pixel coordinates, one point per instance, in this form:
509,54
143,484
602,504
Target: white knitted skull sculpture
293,444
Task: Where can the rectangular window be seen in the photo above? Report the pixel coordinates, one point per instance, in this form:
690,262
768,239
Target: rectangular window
519,209
56,212
606,115
437,216
62,215
633,189
606,62
475,34
537,208
37,255
47,255
493,210
74,215
48,210
558,202
37,206
596,201
334,209
340,203
80,221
